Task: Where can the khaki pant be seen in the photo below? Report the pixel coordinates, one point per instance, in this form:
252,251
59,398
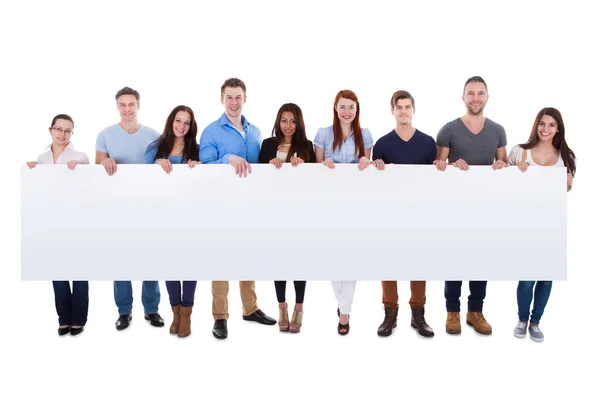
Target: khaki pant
390,294
220,291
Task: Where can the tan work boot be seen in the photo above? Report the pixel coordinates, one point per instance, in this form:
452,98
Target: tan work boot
478,322
175,324
185,322
453,323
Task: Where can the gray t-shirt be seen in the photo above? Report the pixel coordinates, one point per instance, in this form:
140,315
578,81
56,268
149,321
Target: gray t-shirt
475,149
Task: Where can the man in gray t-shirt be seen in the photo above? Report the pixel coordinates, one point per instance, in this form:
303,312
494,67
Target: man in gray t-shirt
470,140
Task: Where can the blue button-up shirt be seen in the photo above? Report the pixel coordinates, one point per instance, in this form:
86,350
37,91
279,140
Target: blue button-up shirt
346,153
221,138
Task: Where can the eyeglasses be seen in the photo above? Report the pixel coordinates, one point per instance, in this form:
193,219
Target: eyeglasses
60,130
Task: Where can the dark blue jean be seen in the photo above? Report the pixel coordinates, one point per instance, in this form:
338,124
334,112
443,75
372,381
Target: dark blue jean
72,308
526,293
452,293
176,297
124,296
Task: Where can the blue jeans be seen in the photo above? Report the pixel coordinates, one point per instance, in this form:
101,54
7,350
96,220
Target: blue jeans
124,296
525,294
452,291
175,293
72,308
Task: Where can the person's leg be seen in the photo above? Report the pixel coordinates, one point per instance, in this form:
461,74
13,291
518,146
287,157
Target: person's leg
452,291
478,291
280,291
62,302
541,296
300,288
524,298
347,297
417,308
248,295
220,291
174,291
297,314
80,301
189,293
150,296
389,291
185,322
123,296
417,294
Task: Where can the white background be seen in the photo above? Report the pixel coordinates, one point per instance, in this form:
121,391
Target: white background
72,57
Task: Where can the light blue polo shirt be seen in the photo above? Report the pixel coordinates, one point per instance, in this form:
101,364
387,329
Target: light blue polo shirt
123,147
221,138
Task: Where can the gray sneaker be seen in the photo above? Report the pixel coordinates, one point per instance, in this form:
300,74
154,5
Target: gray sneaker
536,334
521,329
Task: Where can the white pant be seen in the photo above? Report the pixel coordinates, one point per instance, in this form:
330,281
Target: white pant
344,293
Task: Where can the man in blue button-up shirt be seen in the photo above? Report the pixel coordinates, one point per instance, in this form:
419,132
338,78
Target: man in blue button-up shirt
232,139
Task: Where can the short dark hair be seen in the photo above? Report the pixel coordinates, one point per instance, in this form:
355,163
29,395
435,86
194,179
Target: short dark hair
62,116
401,95
127,90
475,79
233,82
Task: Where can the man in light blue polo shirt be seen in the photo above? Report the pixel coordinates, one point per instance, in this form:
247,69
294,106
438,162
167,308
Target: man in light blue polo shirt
126,142
232,139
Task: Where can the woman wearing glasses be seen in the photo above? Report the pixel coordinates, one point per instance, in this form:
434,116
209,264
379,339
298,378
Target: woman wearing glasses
71,306
546,146
344,142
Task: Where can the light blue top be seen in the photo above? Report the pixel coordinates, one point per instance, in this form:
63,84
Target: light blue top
123,147
221,138
346,153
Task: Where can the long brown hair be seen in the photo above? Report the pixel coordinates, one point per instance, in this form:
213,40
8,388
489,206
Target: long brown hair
559,142
300,144
166,141
359,144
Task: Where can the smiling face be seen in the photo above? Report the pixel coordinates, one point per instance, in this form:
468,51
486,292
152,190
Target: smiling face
61,132
346,110
182,123
287,124
475,97
233,98
403,111
128,107
547,128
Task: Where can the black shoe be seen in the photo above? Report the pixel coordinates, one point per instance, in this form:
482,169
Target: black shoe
219,330
260,317
155,319
63,330
123,321
75,331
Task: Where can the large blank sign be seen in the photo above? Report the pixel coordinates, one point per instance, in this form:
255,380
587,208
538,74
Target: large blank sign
304,223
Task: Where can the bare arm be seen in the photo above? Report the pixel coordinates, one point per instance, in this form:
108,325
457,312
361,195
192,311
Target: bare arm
320,154
100,156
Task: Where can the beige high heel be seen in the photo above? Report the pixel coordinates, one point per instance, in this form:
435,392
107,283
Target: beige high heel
296,321
284,322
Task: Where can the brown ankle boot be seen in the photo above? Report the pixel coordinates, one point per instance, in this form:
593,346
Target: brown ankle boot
175,325
453,323
185,324
284,322
418,321
478,322
296,322
389,322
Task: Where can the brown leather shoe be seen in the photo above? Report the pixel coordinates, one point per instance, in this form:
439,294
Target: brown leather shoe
284,322
389,322
453,323
185,322
478,322
175,324
418,321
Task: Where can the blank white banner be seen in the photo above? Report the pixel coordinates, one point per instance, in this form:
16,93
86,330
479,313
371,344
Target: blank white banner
304,223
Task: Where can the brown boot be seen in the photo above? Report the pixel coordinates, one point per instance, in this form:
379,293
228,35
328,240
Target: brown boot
389,322
284,321
453,323
479,323
185,324
418,321
175,325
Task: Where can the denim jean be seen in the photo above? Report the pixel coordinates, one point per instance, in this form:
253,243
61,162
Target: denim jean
526,293
72,308
124,296
177,297
452,293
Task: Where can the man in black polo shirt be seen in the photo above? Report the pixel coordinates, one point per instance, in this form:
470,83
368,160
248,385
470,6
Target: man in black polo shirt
404,145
